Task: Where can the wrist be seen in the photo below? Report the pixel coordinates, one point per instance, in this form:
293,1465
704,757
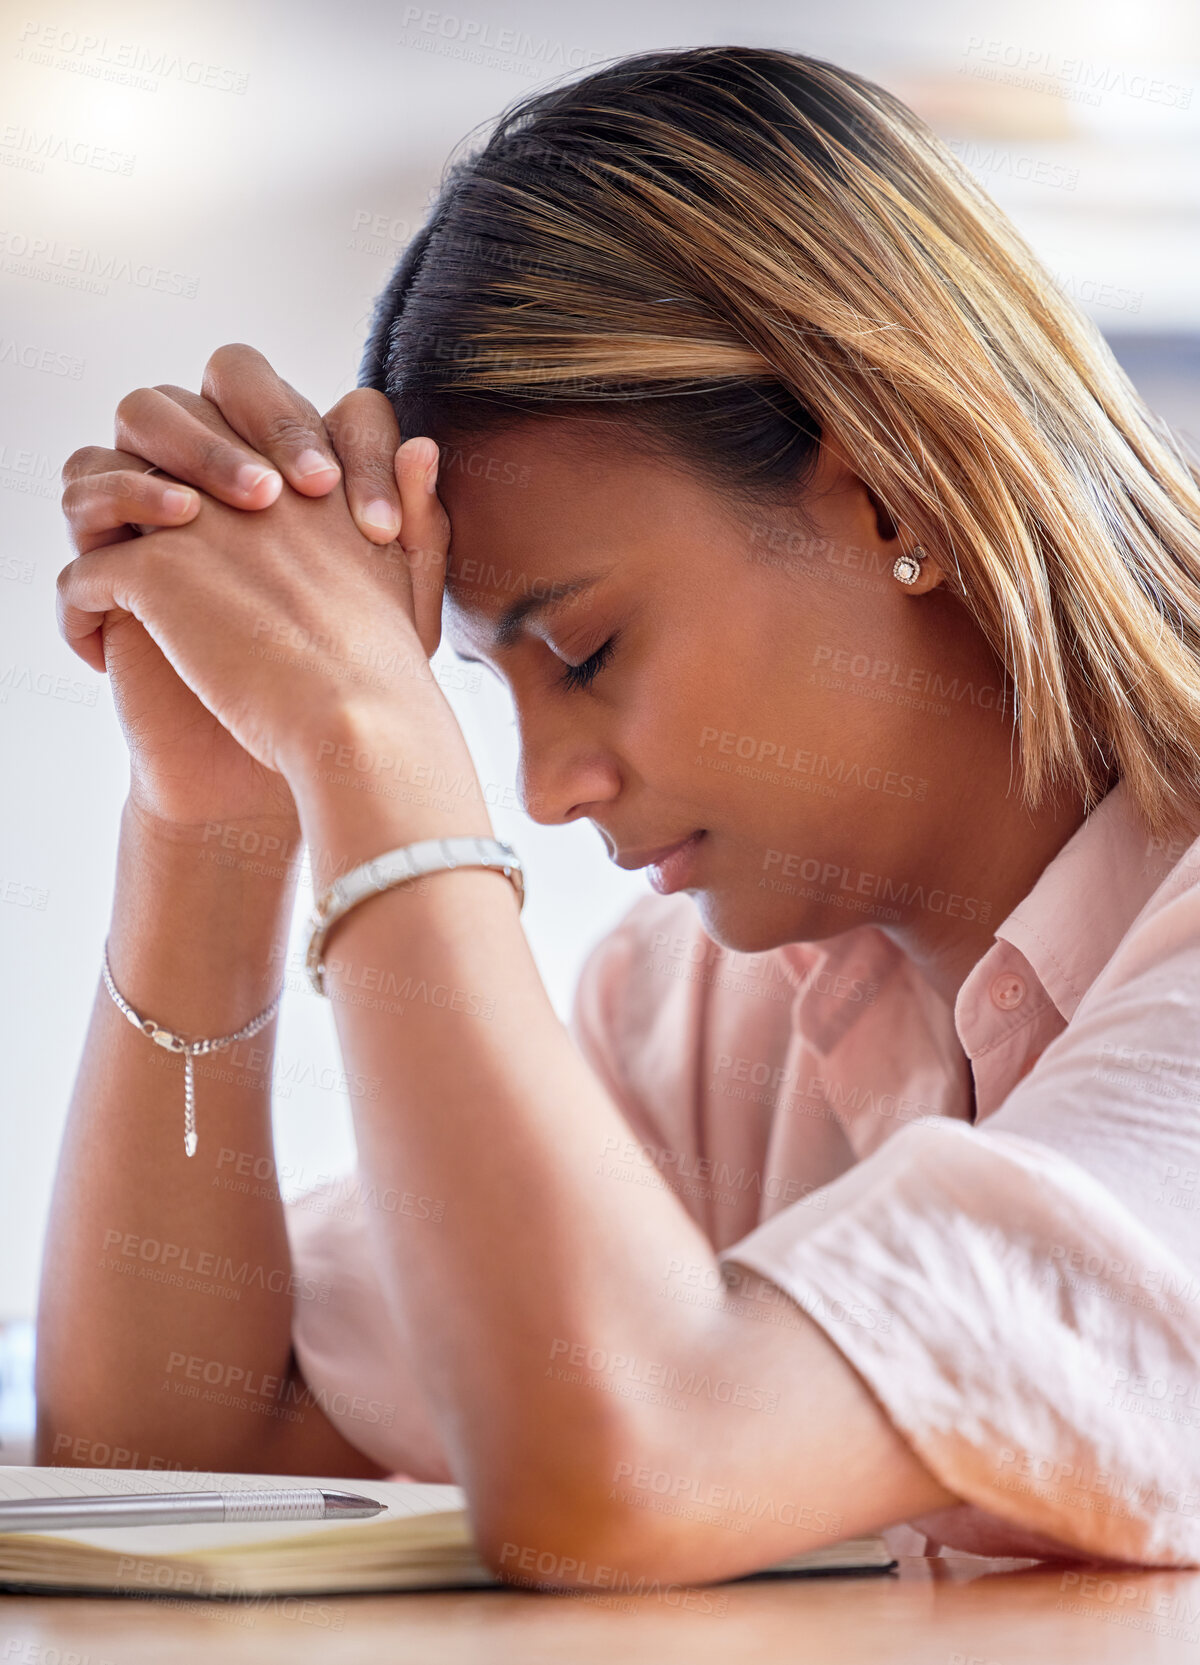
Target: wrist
371,780
198,934
275,839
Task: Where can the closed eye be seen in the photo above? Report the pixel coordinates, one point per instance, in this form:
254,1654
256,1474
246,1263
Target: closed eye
580,676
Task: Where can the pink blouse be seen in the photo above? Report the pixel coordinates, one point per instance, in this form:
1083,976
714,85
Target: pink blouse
1020,1292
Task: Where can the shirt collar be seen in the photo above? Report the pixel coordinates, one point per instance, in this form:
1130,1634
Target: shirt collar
1069,924
1067,927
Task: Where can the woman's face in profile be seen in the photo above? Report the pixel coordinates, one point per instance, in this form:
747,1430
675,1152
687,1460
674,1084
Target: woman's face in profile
771,687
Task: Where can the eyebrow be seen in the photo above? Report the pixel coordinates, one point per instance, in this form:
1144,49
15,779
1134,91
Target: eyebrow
508,627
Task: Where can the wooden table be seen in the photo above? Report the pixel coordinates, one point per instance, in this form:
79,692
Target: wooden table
940,1611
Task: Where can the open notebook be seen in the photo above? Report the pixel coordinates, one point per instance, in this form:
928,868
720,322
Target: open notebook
422,1543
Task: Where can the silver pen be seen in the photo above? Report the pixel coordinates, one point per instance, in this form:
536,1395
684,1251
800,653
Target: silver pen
54,1514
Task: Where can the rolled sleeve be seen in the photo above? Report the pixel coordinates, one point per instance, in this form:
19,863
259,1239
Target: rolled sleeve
1025,1332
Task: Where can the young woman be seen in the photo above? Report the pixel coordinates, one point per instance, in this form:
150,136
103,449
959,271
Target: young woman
841,579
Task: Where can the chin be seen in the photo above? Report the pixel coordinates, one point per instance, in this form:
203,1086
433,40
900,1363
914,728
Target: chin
750,925
743,924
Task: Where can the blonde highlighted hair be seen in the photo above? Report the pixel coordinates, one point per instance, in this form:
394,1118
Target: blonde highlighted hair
735,252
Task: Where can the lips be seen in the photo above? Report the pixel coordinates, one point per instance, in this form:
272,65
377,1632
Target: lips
651,856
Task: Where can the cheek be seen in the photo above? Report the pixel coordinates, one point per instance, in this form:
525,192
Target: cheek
721,686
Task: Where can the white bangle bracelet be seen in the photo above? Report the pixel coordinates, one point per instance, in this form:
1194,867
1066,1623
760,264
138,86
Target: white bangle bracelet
176,1043
395,867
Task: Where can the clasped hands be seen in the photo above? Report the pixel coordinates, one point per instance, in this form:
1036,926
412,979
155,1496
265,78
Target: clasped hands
326,595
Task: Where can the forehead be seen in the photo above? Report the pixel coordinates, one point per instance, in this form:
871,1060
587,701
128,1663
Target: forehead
536,509
511,501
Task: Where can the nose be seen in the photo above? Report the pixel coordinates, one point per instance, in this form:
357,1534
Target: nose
563,771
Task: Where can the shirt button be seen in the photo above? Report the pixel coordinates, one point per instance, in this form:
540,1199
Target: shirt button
1007,991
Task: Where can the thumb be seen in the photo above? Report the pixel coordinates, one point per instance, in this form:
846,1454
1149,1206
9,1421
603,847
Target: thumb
424,535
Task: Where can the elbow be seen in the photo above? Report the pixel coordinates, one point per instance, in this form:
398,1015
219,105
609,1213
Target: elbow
576,1525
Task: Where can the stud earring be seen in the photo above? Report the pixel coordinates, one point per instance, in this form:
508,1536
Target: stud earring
907,568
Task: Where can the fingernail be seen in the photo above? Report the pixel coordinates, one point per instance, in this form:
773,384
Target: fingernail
382,516
431,477
251,475
176,502
310,463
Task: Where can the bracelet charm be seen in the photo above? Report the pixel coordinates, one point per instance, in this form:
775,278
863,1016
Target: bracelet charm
170,1042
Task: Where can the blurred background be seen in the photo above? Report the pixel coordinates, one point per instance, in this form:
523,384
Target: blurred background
179,178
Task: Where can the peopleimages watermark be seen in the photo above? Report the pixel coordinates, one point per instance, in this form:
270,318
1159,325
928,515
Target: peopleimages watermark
850,566
206,1271
16,893
241,1387
479,40
1161,1074
1082,79
552,1569
1184,1186
1130,1604
628,1370
912,686
1116,1279
251,1174
834,880
801,1093
1091,291
1158,1397
124,62
1030,170
77,267
30,472
28,149
18,1651
138,1572
763,974
1098,1490
718,1505
24,679
381,987
707,962
776,758
747,1294
49,361
703,1178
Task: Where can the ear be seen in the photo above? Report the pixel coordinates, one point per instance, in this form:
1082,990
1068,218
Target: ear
899,540
884,524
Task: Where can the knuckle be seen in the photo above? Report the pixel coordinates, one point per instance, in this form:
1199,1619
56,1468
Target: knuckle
372,468
287,429
214,455
132,404
229,357
64,583
89,459
363,426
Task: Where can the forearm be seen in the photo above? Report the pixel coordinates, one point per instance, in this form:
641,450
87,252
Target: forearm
149,1259
488,1105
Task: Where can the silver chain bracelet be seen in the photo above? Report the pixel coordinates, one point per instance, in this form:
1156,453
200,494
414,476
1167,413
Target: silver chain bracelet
171,1042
